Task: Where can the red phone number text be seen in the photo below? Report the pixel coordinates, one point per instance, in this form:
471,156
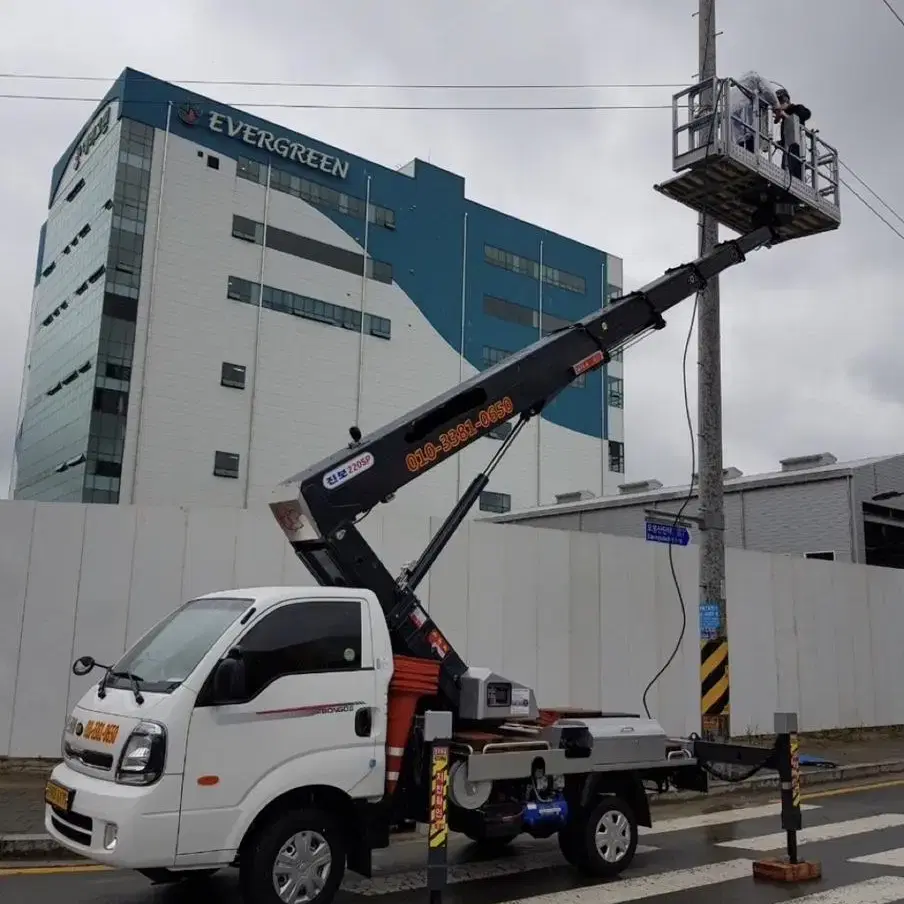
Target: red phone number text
462,433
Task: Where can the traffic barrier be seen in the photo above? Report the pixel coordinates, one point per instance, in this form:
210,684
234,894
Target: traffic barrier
789,868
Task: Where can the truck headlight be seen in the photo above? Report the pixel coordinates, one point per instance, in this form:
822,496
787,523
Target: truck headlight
143,756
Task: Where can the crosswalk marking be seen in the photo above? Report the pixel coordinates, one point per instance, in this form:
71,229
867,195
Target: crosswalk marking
718,818
883,890
810,834
894,857
621,891
392,883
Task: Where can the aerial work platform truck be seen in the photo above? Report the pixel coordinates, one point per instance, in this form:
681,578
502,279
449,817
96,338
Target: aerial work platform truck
284,730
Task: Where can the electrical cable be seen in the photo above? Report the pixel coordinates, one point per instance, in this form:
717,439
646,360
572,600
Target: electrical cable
355,85
893,11
460,108
687,410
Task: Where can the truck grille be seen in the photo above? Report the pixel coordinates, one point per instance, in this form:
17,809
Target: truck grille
73,826
93,759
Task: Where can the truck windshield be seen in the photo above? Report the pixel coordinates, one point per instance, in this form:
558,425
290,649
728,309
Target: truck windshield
169,653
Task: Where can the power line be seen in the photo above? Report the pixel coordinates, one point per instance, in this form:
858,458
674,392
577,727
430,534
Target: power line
873,192
893,11
866,203
382,107
368,85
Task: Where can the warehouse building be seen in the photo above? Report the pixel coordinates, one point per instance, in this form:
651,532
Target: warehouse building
814,506
218,299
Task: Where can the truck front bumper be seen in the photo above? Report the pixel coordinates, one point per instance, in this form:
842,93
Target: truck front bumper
118,825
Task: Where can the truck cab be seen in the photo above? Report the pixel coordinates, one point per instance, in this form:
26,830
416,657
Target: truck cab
246,721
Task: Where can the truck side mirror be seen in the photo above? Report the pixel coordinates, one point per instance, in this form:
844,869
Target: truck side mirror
229,680
83,665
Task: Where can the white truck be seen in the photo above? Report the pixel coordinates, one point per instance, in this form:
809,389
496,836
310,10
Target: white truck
281,729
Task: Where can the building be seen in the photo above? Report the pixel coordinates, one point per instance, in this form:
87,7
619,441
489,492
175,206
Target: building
204,324
815,506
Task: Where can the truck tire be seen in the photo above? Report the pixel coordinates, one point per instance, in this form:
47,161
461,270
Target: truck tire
607,837
304,848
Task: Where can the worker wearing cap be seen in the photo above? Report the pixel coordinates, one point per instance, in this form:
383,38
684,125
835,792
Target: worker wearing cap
791,119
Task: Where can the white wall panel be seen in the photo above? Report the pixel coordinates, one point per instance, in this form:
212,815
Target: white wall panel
47,629
586,619
16,526
102,610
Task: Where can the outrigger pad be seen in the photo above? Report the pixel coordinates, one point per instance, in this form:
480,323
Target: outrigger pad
785,871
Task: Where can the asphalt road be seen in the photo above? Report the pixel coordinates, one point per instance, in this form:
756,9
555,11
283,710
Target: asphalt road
690,857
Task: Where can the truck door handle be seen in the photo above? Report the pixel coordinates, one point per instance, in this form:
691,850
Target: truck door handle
363,722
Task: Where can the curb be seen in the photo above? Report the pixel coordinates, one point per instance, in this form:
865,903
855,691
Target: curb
41,846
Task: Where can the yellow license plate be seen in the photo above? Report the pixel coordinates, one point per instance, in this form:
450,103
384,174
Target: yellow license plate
58,796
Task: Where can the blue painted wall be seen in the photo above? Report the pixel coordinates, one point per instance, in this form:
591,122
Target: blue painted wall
425,248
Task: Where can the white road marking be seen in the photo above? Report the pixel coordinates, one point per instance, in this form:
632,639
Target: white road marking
719,818
894,857
811,834
620,891
884,890
392,883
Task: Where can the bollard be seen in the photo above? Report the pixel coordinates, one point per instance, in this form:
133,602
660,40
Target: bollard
437,733
787,763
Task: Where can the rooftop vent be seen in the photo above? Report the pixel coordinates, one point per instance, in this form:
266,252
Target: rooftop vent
575,496
639,486
727,474
808,461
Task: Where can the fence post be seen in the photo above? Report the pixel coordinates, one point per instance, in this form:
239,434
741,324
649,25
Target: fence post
786,762
437,733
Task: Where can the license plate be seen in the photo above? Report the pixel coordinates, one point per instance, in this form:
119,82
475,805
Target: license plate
58,796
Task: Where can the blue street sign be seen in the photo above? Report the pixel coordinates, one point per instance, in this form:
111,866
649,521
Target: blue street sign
667,533
710,621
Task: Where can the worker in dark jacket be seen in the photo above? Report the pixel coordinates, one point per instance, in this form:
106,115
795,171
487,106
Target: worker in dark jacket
791,119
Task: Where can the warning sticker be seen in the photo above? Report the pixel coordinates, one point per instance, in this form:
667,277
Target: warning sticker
520,701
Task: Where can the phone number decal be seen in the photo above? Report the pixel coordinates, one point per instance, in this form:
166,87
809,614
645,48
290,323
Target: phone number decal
462,433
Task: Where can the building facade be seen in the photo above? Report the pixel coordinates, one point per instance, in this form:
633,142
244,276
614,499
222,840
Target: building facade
218,299
814,506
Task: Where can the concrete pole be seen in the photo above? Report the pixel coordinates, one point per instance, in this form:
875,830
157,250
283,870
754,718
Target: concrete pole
714,676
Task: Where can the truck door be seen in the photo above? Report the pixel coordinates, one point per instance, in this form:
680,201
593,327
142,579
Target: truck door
310,716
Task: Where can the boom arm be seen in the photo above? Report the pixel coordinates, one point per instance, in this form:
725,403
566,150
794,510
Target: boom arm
337,491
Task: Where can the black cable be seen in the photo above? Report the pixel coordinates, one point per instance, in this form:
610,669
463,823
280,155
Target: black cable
690,427
353,85
893,11
466,108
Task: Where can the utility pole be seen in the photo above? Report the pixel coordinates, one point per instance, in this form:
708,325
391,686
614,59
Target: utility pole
714,675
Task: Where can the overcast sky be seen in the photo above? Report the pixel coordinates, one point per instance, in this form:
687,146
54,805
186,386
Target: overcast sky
811,330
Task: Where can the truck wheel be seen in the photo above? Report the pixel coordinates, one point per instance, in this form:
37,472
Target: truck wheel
571,844
299,858
608,837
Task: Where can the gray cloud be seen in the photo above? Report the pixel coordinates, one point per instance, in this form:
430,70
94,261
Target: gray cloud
810,330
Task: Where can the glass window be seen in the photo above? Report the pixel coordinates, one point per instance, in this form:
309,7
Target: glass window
226,464
498,503
301,638
526,267
165,657
232,375
616,457
616,392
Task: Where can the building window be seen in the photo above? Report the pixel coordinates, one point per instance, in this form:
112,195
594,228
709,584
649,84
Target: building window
612,292
499,503
225,464
313,193
500,431
213,162
825,556
616,393
232,375
310,249
522,315
526,266
616,457
309,308
492,356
